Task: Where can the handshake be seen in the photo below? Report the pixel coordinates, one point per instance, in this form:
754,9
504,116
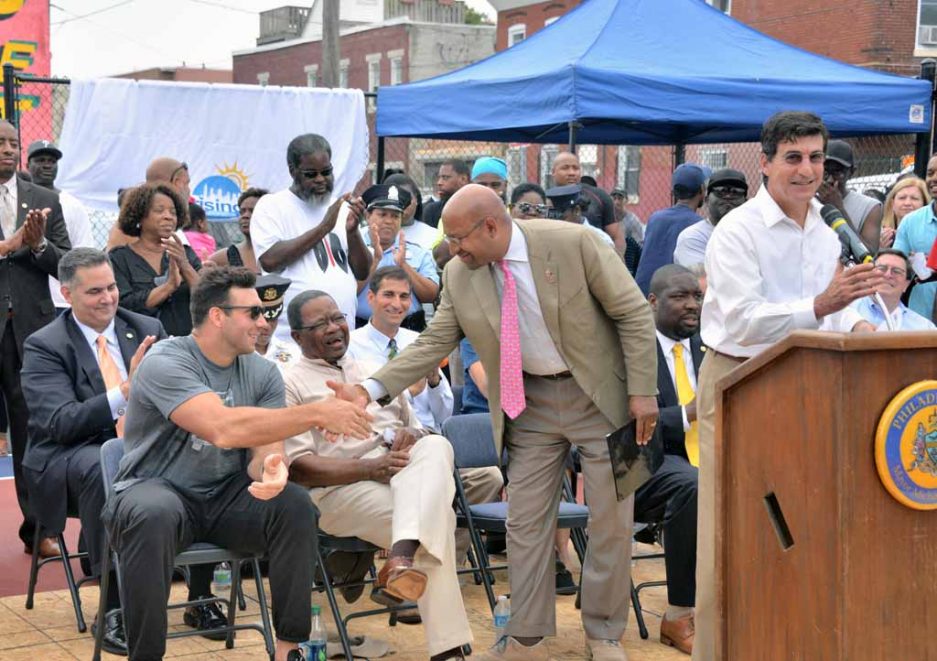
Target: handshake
347,415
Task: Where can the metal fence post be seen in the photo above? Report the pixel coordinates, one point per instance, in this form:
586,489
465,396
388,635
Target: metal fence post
379,167
924,142
9,94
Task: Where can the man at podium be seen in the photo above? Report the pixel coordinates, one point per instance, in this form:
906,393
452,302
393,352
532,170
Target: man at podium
773,267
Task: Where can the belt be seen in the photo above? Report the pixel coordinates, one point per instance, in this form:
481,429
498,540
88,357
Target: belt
735,359
552,377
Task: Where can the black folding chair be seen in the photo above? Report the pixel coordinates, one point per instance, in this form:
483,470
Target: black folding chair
36,564
197,554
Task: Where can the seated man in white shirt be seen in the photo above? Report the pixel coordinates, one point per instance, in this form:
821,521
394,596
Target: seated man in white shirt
379,341
896,271
393,489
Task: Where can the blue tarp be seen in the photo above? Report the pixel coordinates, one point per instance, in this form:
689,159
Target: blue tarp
648,72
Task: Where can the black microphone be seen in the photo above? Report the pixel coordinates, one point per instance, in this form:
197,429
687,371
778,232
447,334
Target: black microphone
834,218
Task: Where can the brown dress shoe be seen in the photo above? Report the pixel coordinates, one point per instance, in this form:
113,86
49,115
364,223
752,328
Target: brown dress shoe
398,581
679,633
48,548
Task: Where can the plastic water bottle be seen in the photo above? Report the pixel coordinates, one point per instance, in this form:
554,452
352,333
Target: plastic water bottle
314,648
221,581
502,615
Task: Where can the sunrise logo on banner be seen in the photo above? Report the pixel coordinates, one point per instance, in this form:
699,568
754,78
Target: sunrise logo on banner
218,194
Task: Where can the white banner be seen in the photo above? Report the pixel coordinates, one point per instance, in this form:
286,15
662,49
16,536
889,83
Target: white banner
231,136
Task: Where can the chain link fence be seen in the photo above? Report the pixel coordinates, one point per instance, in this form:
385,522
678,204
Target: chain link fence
643,173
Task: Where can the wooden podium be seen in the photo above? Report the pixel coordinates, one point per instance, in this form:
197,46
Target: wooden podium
852,576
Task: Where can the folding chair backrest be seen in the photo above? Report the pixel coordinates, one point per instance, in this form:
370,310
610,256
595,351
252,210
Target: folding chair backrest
111,453
472,440
456,400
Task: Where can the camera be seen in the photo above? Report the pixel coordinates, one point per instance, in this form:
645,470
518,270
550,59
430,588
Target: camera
555,214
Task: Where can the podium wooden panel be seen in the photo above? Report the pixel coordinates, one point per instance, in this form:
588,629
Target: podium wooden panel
859,581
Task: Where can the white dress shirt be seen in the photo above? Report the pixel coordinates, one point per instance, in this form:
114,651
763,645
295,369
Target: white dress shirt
763,273
13,193
433,406
115,398
666,346
80,235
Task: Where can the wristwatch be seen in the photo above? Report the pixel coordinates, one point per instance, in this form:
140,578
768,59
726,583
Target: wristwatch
42,247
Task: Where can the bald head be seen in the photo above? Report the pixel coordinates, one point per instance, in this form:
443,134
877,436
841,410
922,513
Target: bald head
477,225
566,169
165,170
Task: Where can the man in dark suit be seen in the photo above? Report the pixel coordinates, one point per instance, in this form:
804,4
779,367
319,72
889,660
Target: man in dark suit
32,239
670,495
77,388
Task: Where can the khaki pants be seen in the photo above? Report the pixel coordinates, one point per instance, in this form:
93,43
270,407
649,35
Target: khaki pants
417,504
558,414
708,626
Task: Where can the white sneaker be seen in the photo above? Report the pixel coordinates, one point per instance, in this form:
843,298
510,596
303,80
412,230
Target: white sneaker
605,650
508,649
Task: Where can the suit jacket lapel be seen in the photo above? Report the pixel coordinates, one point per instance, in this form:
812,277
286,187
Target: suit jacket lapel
485,288
127,339
696,347
85,356
23,202
665,384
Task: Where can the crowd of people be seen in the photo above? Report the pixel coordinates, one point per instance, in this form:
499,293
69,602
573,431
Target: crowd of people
559,312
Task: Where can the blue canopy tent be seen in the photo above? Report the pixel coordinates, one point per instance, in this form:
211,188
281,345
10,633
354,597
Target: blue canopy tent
646,72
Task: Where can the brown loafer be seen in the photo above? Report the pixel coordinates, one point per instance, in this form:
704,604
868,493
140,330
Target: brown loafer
398,581
679,633
48,548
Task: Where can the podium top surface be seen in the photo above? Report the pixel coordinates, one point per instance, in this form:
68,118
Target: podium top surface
827,341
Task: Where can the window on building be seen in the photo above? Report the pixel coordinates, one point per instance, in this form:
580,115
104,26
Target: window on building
714,159
312,75
263,78
551,21
396,70
516,158
725,6
629,172
343,74
516,34
374,71
927,24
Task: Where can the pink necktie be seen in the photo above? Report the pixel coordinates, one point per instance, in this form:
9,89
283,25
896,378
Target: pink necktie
512,376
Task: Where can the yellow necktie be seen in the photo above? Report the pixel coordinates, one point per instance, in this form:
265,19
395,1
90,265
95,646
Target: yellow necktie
111,374
685,394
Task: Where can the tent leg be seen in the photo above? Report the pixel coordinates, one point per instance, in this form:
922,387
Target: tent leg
679,154
574,126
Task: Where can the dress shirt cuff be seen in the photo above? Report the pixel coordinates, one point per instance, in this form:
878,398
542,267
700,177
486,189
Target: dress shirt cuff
375,389
848,318
686,422
803,315
117,402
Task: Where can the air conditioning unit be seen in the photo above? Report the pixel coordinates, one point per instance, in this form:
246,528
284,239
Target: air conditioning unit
927,35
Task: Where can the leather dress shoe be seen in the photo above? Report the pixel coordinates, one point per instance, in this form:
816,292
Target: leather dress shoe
48,548
114,640
205,618
679,633
398,581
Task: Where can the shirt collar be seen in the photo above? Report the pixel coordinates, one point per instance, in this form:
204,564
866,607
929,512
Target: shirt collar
772,214
321,363
91,335
667,344
517,248
377,337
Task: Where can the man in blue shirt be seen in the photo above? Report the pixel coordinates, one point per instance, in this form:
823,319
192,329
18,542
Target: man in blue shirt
916,234
894,265
385,205
664,226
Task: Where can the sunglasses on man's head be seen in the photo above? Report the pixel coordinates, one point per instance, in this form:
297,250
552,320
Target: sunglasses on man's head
254,311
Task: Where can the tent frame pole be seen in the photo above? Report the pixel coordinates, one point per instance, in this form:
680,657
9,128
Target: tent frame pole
924,142
574,127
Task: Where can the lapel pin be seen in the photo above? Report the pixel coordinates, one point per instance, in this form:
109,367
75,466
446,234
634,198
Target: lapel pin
551,277
23,205
129,336
702,348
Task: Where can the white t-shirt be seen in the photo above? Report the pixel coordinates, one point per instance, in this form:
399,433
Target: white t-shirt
79,235
421,234
282,216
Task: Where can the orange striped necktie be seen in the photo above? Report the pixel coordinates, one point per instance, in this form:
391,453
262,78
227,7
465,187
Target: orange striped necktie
111,374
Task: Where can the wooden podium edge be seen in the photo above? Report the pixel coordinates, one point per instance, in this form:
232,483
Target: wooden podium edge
800,339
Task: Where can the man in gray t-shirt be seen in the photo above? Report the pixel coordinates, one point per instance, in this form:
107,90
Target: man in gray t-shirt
204,462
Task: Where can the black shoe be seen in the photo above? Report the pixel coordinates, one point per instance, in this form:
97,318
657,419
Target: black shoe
114,641
345,567
495,544
294,655
564,580
205,618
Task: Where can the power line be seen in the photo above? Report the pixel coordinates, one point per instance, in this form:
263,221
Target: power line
76,17
221,5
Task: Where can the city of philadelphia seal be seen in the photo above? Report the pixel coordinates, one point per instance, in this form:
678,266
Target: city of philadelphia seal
906,446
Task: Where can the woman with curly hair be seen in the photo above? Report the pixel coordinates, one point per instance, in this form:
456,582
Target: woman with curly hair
907,195
155,270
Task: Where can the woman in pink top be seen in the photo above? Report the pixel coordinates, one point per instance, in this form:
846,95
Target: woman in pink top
196,231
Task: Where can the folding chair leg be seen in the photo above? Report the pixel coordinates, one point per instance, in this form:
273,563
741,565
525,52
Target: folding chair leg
242,604
232,601
72,586
102,603
638,613
474,563
264,613
484,564
33,571
333,605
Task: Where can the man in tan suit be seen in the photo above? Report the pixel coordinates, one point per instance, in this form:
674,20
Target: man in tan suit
568,342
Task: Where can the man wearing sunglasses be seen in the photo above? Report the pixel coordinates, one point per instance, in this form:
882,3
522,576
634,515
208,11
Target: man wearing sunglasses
307,234
271,289
204,462
727,190
896,271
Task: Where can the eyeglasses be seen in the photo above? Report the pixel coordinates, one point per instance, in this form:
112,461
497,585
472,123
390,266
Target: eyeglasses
897,270
728,192
178,170
313,174
528,209
254,311
338,319
457,240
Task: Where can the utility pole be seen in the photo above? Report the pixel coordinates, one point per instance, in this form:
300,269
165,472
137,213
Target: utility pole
330,50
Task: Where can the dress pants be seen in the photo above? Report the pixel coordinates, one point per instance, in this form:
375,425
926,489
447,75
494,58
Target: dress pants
10,365
417,505
708,641
151,521
558,414
670,496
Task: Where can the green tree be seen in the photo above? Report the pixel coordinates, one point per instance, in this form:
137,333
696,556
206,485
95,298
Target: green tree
473,17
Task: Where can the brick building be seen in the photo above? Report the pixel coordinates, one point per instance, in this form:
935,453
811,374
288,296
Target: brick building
181,74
